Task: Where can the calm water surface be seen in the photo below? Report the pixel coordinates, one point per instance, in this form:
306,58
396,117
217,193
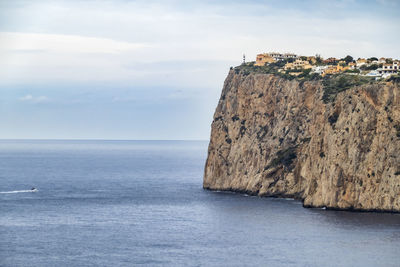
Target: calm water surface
128,203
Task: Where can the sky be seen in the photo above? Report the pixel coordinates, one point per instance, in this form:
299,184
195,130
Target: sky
143,70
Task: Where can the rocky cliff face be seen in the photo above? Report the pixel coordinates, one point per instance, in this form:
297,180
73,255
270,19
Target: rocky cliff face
275,137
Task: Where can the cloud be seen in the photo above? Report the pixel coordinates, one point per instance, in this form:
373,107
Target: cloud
153,61
391,3
61,43
179,42
34,99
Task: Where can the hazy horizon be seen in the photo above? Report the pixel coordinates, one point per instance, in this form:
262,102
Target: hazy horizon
98,139
154,70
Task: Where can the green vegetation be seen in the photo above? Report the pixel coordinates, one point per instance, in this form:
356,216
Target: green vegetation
273,68
371,67
318,60
348,59
334,84
394,78
352,71
268,68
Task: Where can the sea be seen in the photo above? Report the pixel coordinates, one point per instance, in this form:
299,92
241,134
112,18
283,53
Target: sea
141,203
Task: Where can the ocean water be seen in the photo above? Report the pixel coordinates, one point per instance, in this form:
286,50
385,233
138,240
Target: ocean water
141,203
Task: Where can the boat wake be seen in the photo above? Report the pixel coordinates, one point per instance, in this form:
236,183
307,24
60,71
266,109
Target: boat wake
19,191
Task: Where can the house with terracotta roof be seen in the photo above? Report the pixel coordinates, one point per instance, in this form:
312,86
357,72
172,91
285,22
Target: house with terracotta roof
361,61
297,64
263,59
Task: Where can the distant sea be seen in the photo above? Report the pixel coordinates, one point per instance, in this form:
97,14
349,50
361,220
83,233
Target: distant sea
141,203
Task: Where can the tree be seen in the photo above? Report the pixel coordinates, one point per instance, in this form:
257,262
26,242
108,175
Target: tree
348,59
318,59
371,67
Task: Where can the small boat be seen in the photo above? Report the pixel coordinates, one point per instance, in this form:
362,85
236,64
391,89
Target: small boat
33,189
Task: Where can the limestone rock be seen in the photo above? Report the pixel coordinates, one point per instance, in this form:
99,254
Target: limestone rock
277,137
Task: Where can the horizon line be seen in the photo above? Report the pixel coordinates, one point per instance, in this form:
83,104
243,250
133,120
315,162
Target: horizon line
94,139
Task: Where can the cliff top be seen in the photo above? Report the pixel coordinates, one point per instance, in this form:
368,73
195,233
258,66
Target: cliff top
314,73
332,83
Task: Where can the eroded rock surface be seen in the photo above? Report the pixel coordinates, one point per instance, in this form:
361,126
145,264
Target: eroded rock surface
275,137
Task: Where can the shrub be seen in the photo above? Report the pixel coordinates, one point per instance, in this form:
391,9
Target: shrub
371,67
348,59
305,73
336,84
318,60
352,71
394,78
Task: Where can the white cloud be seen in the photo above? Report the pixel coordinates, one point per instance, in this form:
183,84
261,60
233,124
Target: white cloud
130,42
34,99
60,43
177,50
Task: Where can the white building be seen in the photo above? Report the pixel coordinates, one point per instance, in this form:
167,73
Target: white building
319,69
389,69
280,56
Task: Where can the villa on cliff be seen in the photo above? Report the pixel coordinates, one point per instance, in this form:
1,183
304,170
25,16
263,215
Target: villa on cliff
263,59
271,57
388,69
298,64
294,64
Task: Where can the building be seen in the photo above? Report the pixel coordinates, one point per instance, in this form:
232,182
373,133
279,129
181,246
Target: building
335,69
276,56
331,60
297,64
341,68
319,69
389,69
262,59
312,59
329,70
279,56
352,65
361,61
271,57
289,55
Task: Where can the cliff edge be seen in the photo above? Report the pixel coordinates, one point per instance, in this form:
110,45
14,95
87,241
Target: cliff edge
277,137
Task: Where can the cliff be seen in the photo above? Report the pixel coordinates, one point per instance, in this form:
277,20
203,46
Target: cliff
277,137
